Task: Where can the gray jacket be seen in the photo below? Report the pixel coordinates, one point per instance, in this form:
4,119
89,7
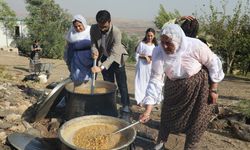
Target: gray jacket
114,47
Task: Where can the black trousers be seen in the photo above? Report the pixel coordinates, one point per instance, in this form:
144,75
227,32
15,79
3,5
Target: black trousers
118,73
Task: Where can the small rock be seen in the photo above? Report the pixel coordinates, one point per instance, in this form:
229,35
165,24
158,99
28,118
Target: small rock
241,130
43,78
5,104
4,113
1,94
42,128
2,87
5,125
12,117
3,137
8,93
17,128
54,124
21,108
27,103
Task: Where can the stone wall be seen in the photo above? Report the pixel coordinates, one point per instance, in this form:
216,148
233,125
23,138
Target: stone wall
9,50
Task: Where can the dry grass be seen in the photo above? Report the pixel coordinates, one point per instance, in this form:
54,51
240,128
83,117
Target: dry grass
244,107
4,74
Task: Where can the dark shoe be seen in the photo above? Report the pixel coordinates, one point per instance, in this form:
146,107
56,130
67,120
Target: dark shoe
125,109
125,113
126,117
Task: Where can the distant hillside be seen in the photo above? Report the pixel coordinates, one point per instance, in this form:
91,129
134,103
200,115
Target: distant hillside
130,26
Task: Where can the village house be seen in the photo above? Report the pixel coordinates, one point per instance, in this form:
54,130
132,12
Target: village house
7,43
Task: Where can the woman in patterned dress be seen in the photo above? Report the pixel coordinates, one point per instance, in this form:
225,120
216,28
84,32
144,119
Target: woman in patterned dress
188,92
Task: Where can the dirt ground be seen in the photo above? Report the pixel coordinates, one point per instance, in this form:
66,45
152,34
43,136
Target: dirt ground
231,90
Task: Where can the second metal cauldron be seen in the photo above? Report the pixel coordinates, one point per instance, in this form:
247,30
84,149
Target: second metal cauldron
68,129
79,104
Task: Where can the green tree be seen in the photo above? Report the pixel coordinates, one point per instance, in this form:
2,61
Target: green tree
48,23
7,18
164,16
242,60
130,42
228,32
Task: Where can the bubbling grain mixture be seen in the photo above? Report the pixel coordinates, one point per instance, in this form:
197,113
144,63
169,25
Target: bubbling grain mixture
97,137
97,90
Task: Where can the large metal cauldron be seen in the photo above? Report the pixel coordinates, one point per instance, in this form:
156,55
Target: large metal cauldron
79,104
68,130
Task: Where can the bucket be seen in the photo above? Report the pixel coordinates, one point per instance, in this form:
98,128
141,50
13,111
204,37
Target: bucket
69,128
80,104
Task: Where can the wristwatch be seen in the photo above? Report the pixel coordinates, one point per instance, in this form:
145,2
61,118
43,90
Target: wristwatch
102,67
214,91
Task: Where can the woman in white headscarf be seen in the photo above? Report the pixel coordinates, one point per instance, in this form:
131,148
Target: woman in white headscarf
188,91
78,54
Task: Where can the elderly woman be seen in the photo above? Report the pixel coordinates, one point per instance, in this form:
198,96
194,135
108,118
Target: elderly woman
188,92
78,54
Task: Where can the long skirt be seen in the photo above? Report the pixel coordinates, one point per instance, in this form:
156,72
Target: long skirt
185,108
142,76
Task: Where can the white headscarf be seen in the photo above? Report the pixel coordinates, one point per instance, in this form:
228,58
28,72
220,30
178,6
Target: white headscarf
73,35
173,61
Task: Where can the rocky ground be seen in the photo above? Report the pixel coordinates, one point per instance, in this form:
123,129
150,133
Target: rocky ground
18,97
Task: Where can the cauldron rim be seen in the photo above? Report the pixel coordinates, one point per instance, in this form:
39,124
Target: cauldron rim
111,90
129,142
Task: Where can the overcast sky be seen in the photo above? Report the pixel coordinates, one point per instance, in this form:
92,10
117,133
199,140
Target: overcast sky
129,9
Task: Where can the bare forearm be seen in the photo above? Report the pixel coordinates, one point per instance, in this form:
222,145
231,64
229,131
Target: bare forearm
144,117
214,85
148,109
